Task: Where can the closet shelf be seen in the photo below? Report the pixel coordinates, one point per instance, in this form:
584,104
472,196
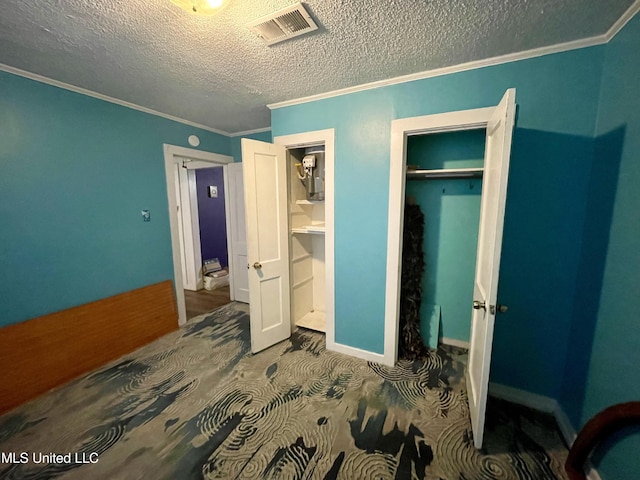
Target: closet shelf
315,229
314,320
445,173
309,202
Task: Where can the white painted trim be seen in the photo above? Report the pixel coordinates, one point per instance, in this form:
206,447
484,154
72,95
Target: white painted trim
171,154
197,155
623,20
400,129
545,404
444,122
328,138
475,64
569,434
194,164
249,132
189,214
454,343
463,67
356,352
522,397
395,225
564,424
105,98
507,58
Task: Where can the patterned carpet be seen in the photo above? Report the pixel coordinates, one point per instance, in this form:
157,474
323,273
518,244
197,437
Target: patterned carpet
198,404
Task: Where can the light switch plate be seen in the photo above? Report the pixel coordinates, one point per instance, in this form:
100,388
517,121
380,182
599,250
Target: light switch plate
213,191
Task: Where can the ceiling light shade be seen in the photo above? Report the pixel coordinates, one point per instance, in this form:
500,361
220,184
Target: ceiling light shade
201,7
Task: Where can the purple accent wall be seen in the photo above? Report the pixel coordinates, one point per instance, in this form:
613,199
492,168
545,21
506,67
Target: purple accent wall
213,228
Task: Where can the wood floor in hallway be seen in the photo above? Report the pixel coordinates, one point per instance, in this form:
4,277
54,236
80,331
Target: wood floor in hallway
204,301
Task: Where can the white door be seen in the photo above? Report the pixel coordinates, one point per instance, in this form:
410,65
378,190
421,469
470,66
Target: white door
265,182
494,193
187,212
238,233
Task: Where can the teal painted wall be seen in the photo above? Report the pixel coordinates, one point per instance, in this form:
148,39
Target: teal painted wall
614,370
451,214
551,161
236,150
541,255
76,172
595,238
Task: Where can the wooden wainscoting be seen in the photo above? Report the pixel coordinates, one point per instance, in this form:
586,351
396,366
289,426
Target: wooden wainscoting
48,351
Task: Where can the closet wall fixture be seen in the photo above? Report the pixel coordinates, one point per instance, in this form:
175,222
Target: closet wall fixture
444,173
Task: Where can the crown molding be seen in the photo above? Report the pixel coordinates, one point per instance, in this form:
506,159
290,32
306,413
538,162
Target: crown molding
623,20
511,57
249,132
89,93
463,67
488,62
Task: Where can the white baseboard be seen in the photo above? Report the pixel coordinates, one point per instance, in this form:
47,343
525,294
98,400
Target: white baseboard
522,397
564,424
454,343
356,352
543,404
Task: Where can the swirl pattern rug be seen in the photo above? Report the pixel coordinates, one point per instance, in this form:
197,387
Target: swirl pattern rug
197,404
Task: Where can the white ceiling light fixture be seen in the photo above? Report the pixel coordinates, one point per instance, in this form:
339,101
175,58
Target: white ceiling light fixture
284,24
201,7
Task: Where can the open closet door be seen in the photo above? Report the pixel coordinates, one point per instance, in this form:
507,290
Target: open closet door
265,182
494,193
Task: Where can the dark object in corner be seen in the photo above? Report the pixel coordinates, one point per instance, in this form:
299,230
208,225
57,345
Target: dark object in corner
595,431
411,346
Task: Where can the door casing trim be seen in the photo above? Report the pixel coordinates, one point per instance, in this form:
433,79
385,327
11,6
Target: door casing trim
172,155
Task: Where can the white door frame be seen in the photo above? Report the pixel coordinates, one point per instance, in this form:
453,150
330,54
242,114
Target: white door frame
400,130
173,156
308,139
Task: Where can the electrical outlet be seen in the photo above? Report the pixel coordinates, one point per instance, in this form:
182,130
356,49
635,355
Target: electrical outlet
146,216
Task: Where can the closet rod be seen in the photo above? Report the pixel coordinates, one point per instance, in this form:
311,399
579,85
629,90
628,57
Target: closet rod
443,174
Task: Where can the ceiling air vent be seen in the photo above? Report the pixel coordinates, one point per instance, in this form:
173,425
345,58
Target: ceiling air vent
283,24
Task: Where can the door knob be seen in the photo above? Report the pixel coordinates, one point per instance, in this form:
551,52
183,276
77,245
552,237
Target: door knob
257,265
477,305
502,308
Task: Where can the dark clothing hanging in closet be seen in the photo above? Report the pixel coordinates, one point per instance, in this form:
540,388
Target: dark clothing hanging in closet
411,345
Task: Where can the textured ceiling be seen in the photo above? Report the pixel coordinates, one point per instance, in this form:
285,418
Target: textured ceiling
212,71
